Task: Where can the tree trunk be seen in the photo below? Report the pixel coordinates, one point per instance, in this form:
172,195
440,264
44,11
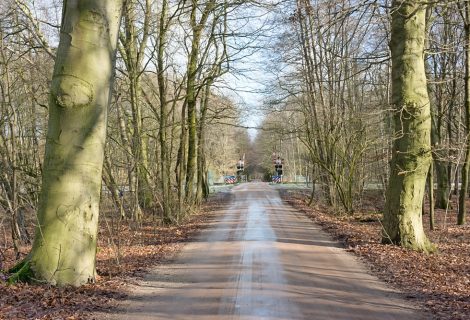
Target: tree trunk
9,178
202,187
192,94
131,176
133,58
442,174
64,248
116,194
443,185
439,156
431,197
466,165
144,191
191,166
412,147
180,168
165,164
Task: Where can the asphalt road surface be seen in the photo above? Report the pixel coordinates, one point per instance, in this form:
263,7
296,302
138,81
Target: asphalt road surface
261,259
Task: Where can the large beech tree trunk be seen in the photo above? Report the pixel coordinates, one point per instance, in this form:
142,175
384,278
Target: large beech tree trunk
64,248
412,146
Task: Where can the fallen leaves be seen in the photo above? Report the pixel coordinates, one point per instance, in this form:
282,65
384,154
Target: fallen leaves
125,253
440,282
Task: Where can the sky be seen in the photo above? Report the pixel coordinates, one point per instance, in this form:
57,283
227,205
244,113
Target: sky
247,82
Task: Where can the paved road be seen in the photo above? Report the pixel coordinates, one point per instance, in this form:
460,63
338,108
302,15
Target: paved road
261,259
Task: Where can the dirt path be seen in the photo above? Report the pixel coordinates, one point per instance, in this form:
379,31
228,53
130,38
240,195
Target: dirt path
262,260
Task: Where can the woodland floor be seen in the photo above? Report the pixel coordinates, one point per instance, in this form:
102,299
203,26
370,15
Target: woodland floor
140,248
439,283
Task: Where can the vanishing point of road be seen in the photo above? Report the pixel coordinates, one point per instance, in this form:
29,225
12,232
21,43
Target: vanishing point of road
261,259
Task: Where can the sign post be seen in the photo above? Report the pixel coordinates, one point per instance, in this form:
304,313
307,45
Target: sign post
278,162
240,168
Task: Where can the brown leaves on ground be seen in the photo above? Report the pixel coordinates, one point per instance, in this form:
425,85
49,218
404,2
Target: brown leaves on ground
439,282
125,253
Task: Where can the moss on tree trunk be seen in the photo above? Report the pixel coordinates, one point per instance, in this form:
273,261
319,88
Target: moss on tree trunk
412,119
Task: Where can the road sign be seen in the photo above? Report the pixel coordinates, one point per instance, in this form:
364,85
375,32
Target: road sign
230,179
277,179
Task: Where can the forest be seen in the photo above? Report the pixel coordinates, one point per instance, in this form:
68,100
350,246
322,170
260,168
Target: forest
119,120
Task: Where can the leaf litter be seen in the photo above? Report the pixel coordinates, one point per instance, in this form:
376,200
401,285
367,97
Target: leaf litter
439,283
126,252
